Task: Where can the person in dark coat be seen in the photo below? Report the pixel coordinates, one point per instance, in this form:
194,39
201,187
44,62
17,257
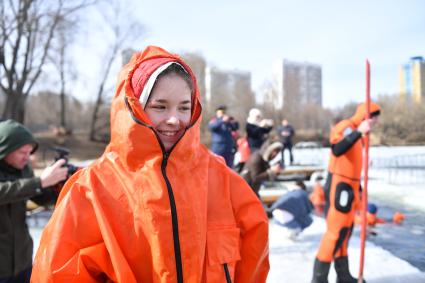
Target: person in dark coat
292,210
257,129
222,128
286,132
17,185
257,169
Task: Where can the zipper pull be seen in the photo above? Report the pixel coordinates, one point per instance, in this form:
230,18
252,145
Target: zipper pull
165,158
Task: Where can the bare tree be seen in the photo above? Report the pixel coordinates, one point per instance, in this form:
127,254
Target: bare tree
123,29
60,59
401,122
27,28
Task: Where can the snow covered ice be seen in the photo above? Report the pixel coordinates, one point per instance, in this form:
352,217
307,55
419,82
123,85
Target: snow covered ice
292,261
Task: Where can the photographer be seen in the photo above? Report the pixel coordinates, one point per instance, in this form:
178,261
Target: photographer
257,129
17,185
222,128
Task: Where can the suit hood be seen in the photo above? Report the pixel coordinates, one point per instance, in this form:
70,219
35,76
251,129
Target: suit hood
132,135
360,114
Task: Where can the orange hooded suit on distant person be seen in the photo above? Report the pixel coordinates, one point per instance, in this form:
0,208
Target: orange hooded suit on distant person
317,198
342,189
140,214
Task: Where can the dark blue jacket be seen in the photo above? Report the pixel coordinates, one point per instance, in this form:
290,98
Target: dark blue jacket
298,204
221,135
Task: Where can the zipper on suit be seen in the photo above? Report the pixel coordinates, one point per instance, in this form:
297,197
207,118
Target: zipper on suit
227,273
176,240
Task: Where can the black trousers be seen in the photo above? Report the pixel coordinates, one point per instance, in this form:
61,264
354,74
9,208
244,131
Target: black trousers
287,146
22,277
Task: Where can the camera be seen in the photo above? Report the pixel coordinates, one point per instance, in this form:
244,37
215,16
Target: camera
50,156
63,153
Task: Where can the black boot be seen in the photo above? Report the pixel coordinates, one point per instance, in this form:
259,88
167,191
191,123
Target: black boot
320,271
343,272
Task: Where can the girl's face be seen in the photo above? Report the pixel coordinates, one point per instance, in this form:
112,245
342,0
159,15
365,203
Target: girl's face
169,108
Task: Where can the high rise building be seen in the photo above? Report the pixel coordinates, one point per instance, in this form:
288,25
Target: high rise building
231,88
198,65
412,80
297,84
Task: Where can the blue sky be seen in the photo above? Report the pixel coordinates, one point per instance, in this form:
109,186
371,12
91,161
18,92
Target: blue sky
339,35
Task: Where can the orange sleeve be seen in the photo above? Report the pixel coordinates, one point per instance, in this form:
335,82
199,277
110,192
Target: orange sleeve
252,220
337,132
72,248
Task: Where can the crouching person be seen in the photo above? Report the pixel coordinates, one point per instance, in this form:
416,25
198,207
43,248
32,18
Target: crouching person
292,210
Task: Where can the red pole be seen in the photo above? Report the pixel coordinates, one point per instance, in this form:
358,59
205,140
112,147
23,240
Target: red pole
365,180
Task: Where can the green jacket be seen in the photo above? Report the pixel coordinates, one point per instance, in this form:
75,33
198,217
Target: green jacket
16,187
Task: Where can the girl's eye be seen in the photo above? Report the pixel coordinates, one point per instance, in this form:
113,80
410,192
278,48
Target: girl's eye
185,108
158,107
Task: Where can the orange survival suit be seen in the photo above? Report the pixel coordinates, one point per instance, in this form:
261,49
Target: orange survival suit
139,214
342,195
317,198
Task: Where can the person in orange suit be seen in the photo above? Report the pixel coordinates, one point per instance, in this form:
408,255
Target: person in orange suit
317,196
244,153
157,206
373,219
342,193
371,216
398,217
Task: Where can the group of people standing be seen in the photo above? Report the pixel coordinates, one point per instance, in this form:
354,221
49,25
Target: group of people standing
255,149
158,206
226,138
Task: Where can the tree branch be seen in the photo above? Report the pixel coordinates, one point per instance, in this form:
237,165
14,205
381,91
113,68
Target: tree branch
46,47
22,17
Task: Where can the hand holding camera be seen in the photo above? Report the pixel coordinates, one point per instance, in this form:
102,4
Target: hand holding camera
266,123
54,174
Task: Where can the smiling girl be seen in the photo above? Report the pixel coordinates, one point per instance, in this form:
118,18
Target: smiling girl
157,206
